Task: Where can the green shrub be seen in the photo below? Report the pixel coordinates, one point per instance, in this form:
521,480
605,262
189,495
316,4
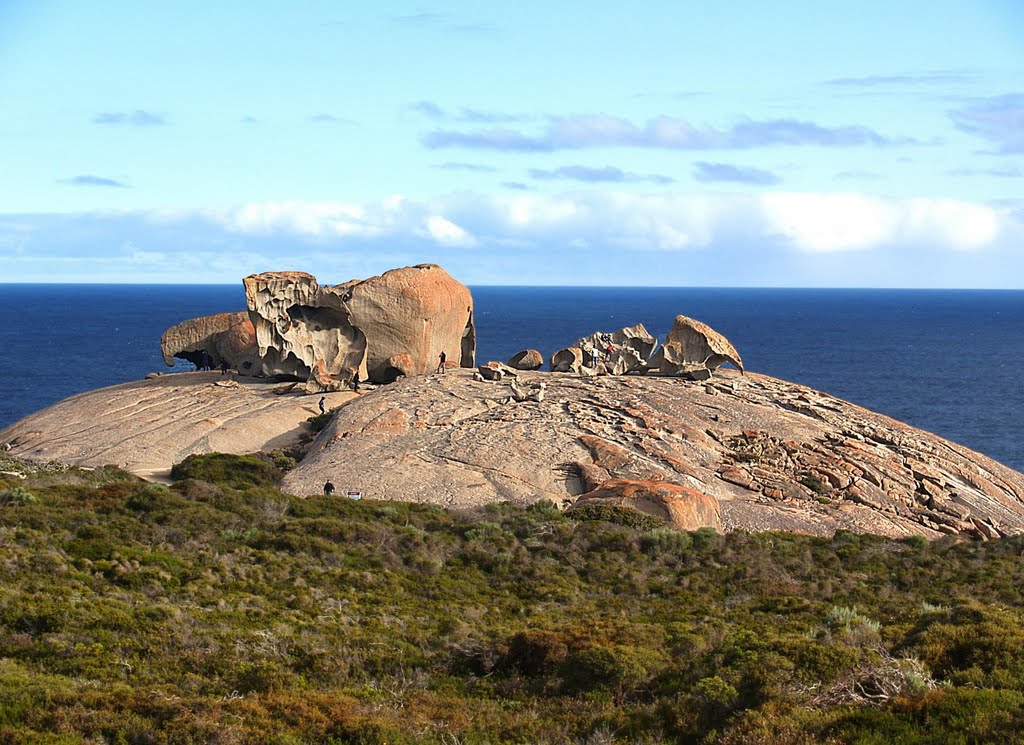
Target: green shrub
916,542
319,422
665,541
17,497
618,669
616,514
536,652
234,471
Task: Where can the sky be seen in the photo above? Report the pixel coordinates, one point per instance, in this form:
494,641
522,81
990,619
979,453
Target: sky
729,143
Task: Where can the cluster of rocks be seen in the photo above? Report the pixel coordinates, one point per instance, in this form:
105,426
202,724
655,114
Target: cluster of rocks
692,350
377,329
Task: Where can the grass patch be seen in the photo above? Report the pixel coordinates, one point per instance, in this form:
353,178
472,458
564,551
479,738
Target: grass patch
222,610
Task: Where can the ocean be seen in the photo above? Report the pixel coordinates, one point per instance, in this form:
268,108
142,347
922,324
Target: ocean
947,361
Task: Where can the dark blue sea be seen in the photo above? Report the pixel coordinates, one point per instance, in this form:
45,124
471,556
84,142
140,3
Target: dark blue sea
948,361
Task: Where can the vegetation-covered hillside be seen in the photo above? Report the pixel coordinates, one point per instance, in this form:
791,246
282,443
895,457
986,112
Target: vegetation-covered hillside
221,610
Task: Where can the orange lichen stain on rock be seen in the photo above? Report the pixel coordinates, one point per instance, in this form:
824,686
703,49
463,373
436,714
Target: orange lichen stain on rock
682,507
604,453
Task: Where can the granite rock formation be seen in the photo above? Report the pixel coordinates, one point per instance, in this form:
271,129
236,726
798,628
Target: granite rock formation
776,455
694,349
494,370
381,328
149,425
225,337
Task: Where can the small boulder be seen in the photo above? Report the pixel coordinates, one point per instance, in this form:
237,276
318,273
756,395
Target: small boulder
528,359
683,508
533,392
495,371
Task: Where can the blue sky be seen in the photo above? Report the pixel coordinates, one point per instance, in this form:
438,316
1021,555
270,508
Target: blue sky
645,143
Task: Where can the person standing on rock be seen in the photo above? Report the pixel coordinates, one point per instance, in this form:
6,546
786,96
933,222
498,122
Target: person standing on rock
328,488
321,405
442,358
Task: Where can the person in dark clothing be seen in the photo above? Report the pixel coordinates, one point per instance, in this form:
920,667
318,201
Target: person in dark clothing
442,358
328,488
321,405
224,367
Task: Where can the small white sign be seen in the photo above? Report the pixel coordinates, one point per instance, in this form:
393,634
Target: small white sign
355,494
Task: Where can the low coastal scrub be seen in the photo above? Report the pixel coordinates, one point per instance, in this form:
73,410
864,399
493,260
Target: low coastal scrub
220,610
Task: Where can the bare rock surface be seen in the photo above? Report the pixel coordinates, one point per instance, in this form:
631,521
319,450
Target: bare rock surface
774,454
147,426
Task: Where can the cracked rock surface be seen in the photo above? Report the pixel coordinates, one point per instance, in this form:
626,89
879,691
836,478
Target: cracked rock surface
149,425
767,454
776,455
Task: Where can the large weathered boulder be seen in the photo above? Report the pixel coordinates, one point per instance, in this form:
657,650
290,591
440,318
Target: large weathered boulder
420,311
680,506
225,337
528,359
569,359
299,323
380,328
692,346
321,381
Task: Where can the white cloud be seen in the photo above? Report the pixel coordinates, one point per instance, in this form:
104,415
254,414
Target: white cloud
313,219
960,225
830,222
447,233
843,222
803,221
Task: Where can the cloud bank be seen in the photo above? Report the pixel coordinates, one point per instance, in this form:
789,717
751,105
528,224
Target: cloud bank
669,133
812,223
525,237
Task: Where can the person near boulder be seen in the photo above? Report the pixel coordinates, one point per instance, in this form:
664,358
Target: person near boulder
323,410
328,488
442,358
